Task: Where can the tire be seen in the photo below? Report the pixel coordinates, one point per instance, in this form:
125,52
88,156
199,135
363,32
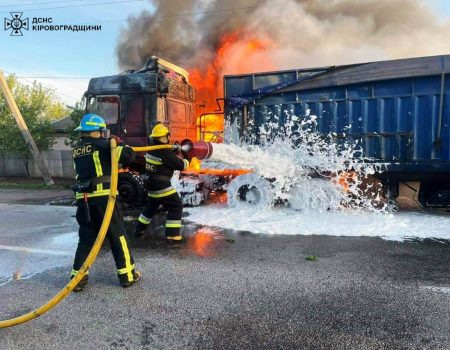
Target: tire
314,194
250,190
131,188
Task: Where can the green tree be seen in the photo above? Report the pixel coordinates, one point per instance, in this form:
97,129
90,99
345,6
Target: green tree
39,107
76,114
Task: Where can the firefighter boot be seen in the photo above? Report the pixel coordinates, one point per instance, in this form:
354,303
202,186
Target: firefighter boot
125,283
175,241
79,287
139,229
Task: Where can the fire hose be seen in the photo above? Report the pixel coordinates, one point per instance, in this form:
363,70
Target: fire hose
150,148
95,249
89,260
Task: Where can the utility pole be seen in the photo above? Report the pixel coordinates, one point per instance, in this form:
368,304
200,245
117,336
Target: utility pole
25,132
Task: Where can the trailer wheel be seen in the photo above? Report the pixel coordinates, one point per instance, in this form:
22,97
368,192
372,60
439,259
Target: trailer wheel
314,194
131,188
250,190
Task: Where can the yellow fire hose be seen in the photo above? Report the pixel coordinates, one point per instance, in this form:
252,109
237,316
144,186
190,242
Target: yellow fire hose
149,148
95,249
89,260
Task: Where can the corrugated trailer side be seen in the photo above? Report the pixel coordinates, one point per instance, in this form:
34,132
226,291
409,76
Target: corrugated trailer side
399,110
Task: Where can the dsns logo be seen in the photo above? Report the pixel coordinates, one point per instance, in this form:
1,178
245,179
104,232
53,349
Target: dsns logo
16,23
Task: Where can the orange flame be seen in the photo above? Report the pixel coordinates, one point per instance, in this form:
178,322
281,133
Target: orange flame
238,53
217,172
210,128
215,197
203,242
345,179
194,166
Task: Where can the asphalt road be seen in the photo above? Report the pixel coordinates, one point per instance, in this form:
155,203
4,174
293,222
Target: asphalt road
225,290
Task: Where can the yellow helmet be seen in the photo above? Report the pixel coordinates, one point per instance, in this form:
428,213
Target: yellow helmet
159,131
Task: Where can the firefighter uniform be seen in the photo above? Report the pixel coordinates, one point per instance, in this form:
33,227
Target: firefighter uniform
92,162
160,165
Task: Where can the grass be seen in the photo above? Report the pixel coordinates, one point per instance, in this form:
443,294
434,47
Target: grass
32,184
311,258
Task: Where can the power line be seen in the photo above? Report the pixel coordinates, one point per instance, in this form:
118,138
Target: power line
31,64
39,3
54,90
211,12
83,5
54,77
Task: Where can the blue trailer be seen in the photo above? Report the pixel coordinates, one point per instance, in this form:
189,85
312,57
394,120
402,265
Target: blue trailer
399,109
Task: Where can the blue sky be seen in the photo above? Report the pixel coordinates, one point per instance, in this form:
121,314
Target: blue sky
68,54
78,54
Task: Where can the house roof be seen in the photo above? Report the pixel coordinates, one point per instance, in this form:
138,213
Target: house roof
63,125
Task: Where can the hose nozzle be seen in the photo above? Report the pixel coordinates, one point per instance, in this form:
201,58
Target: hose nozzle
198,149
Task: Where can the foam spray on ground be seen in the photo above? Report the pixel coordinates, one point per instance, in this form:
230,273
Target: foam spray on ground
296,165
306,168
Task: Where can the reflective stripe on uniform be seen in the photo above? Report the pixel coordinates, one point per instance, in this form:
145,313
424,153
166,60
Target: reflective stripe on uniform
98,164
128,267
174,238
173,223
162,193
98,168
80,195
125,270
153,160
186,163
143,219
119,152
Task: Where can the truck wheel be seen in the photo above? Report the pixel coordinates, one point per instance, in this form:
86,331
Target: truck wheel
131,188
250,190
314,194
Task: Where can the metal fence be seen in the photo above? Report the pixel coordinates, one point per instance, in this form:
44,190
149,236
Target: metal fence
58,161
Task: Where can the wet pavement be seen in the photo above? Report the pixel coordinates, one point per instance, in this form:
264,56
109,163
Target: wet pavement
224,290
25,196
34,238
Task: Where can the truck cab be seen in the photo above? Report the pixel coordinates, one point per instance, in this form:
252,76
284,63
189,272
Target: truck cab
133,101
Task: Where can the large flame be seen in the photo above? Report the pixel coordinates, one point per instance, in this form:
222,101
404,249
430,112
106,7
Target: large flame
238,53
210,127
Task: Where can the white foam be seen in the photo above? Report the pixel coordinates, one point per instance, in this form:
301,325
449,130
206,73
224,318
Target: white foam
398,226
307,176
291,155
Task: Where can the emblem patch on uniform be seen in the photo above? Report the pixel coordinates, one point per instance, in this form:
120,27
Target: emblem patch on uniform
82,151
150,168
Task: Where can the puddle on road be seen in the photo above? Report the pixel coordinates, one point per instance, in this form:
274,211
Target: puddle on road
204,241
18,262
445,290
201,240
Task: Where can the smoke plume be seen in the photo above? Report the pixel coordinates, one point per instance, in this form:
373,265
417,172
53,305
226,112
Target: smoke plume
211,40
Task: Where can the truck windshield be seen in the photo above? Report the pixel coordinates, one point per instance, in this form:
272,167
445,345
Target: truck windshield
106,107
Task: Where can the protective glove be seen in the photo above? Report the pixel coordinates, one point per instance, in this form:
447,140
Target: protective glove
117,138
176,147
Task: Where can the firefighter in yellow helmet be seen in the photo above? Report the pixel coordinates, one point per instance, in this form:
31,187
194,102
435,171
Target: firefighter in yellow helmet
160,166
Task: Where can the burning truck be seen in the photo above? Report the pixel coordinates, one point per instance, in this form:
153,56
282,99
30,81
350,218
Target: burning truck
133,101
393,113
